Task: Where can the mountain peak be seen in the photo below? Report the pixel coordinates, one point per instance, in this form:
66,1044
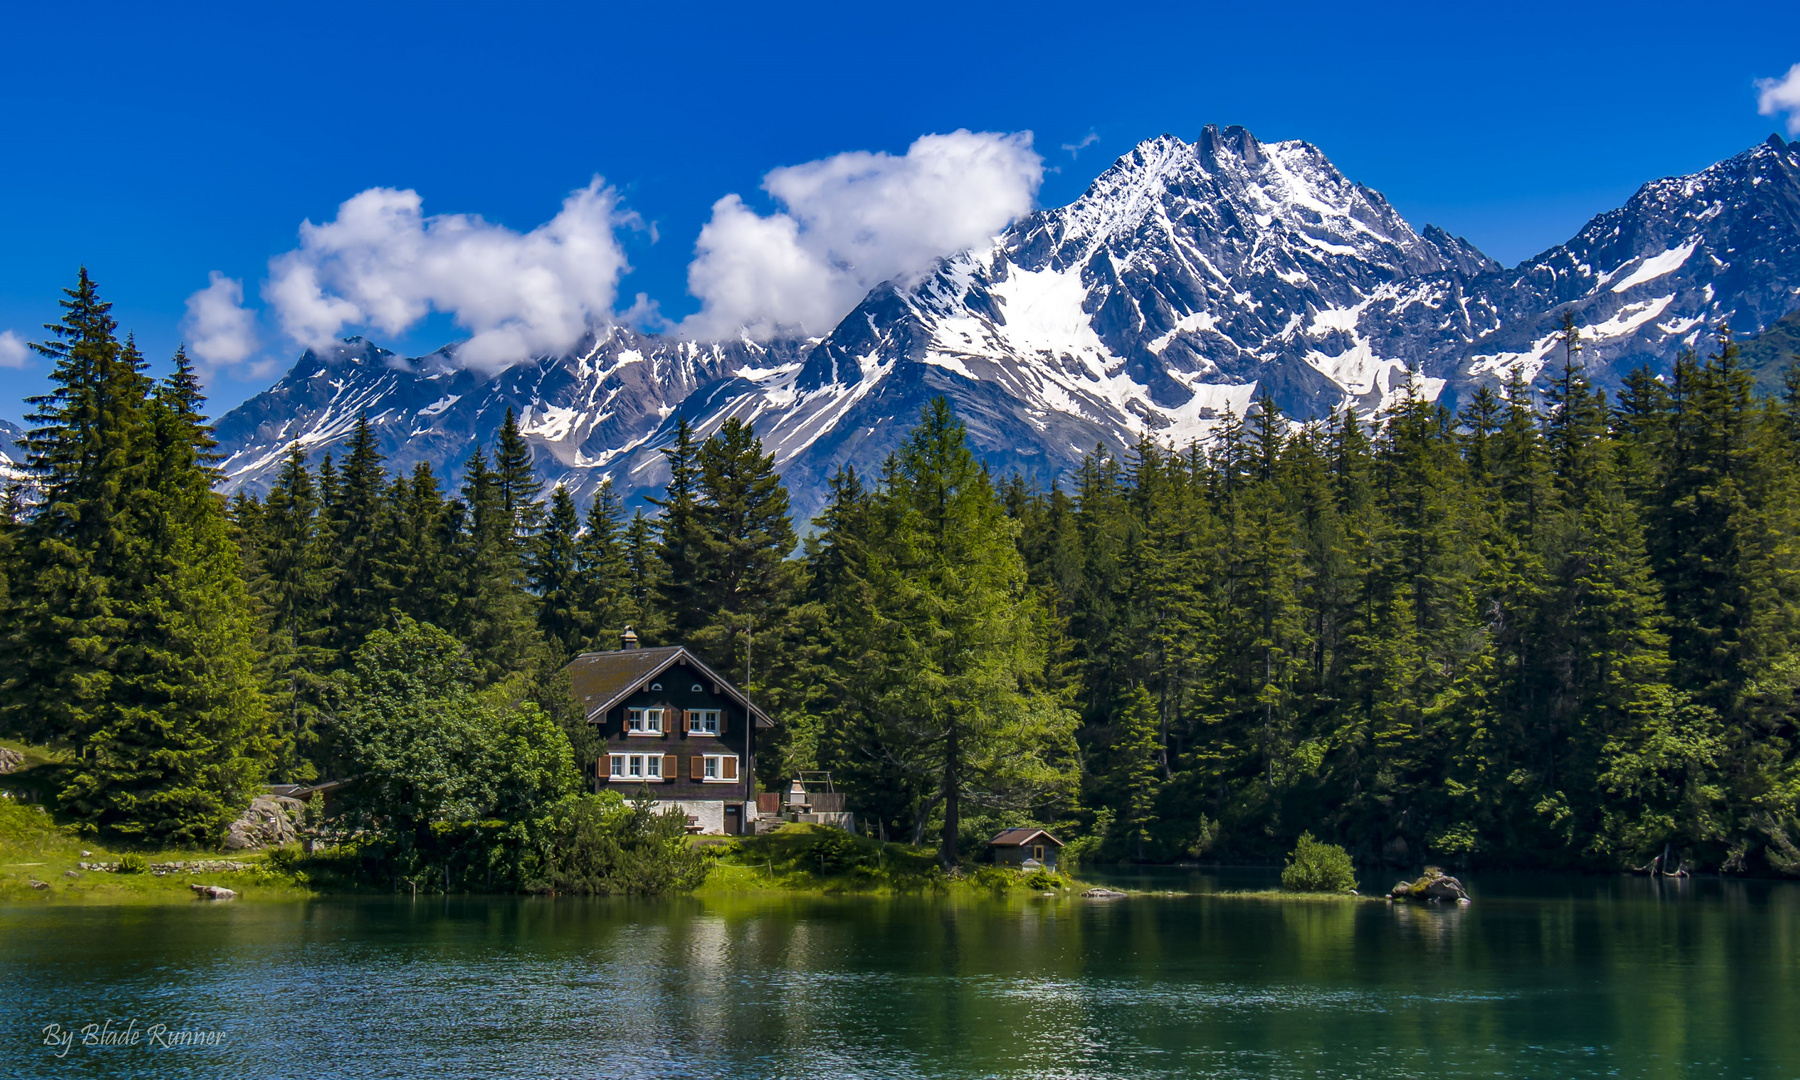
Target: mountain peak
1187,280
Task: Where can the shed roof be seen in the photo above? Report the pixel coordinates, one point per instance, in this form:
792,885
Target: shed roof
1021,837
603,679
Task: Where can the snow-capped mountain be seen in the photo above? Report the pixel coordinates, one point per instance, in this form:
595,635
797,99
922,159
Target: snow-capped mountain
583,413
10,434
1187,279
1660,273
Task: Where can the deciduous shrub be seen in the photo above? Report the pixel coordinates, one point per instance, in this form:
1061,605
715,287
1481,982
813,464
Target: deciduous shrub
607,846
1316,867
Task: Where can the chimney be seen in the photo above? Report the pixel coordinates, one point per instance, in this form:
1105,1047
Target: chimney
628,639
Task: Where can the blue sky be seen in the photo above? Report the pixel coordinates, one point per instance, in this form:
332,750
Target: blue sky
158,147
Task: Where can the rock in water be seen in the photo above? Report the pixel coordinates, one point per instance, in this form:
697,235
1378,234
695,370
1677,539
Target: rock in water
269,822
1432,886
1104,894
213,892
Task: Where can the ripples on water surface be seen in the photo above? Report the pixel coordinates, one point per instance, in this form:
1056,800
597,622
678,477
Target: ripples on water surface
1562,977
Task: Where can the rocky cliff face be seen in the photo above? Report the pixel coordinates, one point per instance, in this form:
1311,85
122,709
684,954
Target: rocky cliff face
1189,278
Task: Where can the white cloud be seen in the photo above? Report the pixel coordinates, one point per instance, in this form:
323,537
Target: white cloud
14,353
850,222
221,332
1781,95
1075,148
383,263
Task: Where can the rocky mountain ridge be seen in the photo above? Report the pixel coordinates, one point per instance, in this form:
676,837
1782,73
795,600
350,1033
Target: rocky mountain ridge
1188,279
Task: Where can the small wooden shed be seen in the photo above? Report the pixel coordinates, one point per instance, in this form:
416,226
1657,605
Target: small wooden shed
1027,849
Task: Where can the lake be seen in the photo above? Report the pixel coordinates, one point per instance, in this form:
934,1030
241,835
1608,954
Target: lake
1540,977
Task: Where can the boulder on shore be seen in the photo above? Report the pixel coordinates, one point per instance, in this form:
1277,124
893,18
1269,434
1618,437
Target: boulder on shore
1103,894
10,760
270,821
213,892
1432,886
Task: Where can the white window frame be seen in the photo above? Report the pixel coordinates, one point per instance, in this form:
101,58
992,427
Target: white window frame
714,764
644,722
622,764
698,718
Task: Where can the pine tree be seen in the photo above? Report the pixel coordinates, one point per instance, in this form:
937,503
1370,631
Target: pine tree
968,636
493,616
517,483
290,587
358,527
419,570
828,717
644,569
88,453
681,544
553,576
186,744
743,536
602,573
1136,770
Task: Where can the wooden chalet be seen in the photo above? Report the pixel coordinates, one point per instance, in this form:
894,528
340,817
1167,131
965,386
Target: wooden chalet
1027,849
676,726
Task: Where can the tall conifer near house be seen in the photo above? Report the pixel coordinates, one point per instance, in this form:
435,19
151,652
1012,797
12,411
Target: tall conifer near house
602,570
554,576
680,543
973,711
645,570
743,537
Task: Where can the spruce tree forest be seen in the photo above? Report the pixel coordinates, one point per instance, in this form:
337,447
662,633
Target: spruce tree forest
1554,629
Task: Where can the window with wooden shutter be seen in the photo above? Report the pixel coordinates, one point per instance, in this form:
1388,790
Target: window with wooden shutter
696,768
687,720
723,713
730,765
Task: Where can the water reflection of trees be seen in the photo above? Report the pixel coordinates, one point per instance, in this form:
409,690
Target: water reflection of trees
1576,977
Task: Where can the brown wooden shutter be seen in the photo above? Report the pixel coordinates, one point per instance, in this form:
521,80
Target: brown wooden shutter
624,721
722,714
687,721
696,768
671,767
730,768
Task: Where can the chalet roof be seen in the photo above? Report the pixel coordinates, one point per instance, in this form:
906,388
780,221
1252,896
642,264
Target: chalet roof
1021,837
603,679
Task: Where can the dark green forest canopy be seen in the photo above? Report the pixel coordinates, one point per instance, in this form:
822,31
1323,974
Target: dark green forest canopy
1554,629
1769,354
